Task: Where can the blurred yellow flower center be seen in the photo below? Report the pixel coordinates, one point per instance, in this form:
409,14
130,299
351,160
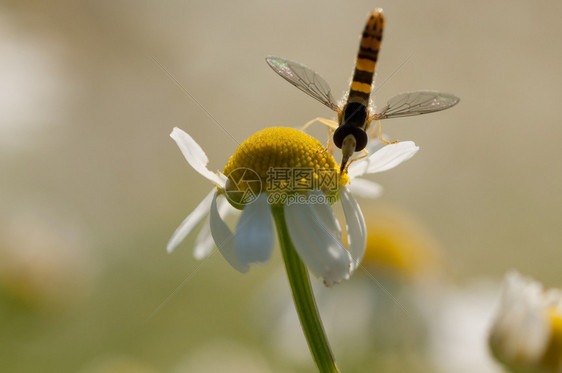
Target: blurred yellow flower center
397,243
552,358
286,160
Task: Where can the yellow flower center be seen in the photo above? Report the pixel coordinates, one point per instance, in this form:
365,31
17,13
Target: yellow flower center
552,359
282,160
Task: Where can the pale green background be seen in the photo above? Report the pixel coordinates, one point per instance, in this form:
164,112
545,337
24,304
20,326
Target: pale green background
85,157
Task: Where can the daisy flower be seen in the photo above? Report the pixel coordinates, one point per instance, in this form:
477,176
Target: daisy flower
285,177
527,332
285,167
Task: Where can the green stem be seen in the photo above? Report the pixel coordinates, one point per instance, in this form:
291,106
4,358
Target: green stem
304,298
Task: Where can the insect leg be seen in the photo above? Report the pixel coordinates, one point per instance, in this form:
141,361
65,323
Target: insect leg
329,123
366,154
329,143
380,136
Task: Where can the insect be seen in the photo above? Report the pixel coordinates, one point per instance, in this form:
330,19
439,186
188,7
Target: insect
355,116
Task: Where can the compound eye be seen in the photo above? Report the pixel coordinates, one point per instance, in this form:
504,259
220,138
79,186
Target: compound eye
341,133
361,139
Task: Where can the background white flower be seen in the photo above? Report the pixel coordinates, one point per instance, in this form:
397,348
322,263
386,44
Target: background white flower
527,331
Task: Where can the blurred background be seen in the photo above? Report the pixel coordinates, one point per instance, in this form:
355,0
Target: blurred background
92,187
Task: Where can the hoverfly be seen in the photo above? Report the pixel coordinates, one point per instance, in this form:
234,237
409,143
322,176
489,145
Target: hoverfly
354,117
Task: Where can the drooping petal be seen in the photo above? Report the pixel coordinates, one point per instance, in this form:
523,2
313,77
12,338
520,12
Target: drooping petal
253,240
190,222
319,249
204,243
224,239
356,228
365,188
386,158
195,156
325,213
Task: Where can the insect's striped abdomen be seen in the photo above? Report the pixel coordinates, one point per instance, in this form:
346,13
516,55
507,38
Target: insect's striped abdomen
367,58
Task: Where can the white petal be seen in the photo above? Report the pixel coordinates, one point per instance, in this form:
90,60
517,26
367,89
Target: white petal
190,222
195,156
323,253
204,243
386,158
224,239
365,188
326,213
253,240
520,331
226,209
356,228
223,178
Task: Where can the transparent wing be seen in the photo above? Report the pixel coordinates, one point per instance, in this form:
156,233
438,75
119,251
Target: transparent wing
304,79
416,103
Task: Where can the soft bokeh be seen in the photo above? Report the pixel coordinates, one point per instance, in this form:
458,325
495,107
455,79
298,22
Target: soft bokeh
92,187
